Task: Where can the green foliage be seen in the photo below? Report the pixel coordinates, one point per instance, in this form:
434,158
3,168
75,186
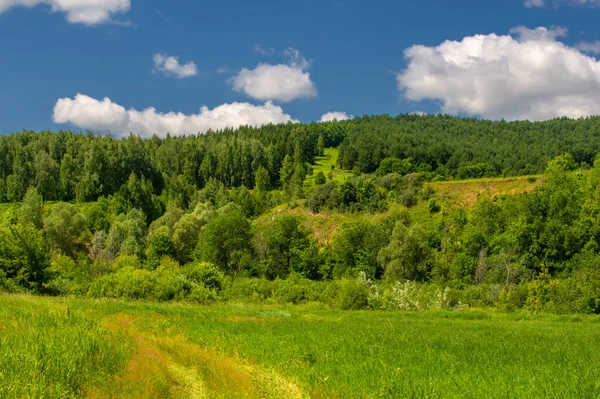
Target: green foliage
395,165
185,235
159,246
66,230
356,247
285,242
324,196
204,274
127,235
353,294
321,146
433,206
226,242
407,256
262,179
25,256
320,178
31,210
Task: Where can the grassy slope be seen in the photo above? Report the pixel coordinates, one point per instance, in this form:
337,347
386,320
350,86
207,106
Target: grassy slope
465,192
450,194
324,164
101,349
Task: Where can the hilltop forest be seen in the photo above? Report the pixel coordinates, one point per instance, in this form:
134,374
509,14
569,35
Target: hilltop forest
238,214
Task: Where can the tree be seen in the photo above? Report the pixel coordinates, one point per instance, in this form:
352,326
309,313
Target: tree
185,237
226,242
262,179
25,256
320,178
355,249
66,229
68,177
31,210
407,256
286,174
127,235
321,146
160,245
285,242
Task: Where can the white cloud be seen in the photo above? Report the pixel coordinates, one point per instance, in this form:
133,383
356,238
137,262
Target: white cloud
283,82
170,66
88,113
535,3
87,12
524,34
334,116
558,3
266,51
532,76
589,47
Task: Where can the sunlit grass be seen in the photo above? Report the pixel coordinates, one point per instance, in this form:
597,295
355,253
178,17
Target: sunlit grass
328,164
83,348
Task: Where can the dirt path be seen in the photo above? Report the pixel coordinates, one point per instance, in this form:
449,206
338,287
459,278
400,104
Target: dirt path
170,366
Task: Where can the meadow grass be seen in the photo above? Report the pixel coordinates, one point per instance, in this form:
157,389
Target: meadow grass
324,164
104,349
464,193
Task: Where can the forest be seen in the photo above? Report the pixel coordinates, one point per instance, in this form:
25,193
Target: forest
230,215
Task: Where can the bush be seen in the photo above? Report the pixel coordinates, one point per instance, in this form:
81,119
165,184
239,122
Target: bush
433,206
320,179
410,296
205,274
7,285
125,261
202,295
296,289
249,289
130,283
353,294
69,276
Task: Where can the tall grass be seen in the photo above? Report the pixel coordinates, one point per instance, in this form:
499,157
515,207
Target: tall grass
128,349
50,349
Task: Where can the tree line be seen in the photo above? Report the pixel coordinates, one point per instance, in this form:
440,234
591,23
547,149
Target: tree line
67,166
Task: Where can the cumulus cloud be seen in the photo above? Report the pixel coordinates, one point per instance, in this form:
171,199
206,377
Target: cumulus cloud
589,47
170,66
87,12
530,76
282,82
104,115
558,3
334,116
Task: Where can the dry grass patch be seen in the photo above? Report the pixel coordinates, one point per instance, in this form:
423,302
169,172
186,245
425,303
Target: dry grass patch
168,365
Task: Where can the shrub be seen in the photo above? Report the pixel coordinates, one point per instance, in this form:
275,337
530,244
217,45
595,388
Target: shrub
124,261
320,178
205,274
410,296
296,289
130,283
354,294
249,289
202,295
433,206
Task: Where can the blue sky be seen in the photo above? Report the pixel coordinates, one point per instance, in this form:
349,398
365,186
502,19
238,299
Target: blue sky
316,57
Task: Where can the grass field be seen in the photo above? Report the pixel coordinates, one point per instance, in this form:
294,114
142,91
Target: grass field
68,348
324,164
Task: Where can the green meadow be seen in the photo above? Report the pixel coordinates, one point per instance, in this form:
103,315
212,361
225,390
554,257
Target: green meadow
328,164
72,348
